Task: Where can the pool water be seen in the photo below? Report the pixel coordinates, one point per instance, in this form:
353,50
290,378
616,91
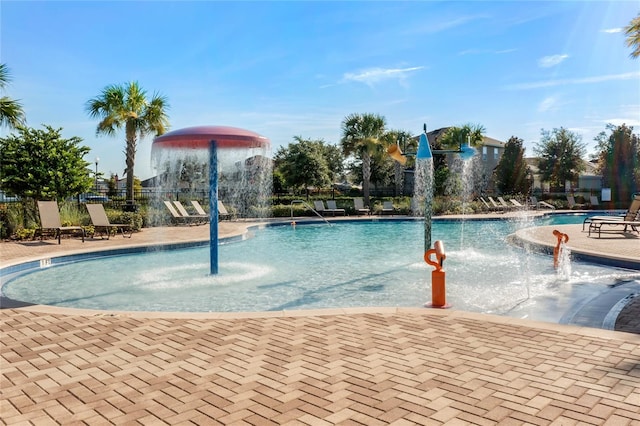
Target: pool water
351,264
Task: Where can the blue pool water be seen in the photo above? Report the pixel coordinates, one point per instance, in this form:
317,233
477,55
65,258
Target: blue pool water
314,266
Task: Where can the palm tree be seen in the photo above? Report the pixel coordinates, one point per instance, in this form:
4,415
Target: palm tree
127,105
360,136
11,112
633,36
455,137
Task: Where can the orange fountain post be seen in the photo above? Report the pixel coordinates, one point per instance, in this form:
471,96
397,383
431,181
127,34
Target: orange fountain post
438,279
562,238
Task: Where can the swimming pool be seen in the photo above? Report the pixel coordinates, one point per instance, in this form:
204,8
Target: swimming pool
349,264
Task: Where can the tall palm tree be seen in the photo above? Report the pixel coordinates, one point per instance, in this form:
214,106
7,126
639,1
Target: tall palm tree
127,106
11,112
360,136
633,36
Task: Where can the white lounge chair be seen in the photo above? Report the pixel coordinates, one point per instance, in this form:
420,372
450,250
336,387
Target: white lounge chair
196,218
497,206
537,204
517,204
358,204
333,208
387,207
505,205
223,213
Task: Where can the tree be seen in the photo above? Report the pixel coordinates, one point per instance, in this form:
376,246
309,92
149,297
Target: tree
560,152
618,156
41,165
361,138
303,164
512,175
455,137
448,175
11,112
127,106
632,32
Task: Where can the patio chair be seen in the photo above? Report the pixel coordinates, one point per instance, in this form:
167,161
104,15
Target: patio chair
537,204
333,208
222,211
177,218
517,204
489,207
506,205
630,215
318,206
50,221
101,222
358,204
496,206
387,207
196,218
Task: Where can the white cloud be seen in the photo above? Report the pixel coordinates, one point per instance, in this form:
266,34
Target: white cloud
611,30
376,75
551,61
585,80
548,104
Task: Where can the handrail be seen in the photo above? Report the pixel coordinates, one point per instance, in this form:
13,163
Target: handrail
310,208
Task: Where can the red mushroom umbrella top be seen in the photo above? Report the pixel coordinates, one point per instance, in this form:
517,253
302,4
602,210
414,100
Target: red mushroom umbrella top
200,137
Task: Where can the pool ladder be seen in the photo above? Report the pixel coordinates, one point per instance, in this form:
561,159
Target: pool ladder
310,208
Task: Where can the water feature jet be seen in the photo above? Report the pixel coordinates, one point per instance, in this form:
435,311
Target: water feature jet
212,139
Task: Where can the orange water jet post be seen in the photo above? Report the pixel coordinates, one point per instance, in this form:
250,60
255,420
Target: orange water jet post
438,291
562,238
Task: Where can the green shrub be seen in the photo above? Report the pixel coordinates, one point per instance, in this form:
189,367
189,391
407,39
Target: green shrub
24,234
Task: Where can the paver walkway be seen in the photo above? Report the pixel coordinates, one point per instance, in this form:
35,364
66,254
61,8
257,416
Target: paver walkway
355,366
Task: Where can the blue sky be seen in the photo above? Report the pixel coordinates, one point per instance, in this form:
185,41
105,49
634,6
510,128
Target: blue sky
298,68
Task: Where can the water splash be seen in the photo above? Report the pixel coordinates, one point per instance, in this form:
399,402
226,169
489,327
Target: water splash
423,195
563,272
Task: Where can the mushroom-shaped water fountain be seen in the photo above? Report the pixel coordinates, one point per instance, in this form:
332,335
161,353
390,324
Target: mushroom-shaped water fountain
213,138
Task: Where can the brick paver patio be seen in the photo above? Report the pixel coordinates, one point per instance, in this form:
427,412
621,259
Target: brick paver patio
357,366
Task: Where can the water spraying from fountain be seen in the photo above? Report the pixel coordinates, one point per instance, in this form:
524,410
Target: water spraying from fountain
242,171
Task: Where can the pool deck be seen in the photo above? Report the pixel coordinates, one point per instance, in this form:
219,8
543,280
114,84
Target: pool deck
360,366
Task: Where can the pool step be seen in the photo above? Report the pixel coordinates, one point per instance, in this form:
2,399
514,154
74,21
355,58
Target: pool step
602,310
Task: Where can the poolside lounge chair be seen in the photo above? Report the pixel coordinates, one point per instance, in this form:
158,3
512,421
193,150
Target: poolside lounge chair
333,208
537,204
176,217
222,211
101,223
196,218
50,221
489,207
517,204
318,206
630,219
198,208
387,207
506,205
497,206
358,204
